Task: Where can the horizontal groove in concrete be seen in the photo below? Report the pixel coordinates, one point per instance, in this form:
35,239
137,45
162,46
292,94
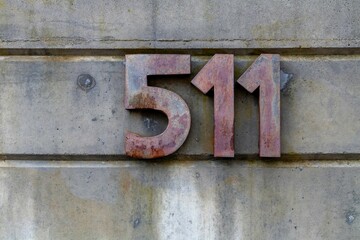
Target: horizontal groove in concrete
285,158
170,50
98,163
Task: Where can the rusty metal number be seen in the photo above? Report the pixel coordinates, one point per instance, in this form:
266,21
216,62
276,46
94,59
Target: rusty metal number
140,96
218,73
265,73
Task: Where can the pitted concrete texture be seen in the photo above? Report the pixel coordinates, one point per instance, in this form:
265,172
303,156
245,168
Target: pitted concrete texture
188,195
161,24
180,200
44,111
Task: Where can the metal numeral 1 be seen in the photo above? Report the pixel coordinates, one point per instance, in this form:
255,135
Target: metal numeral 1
265,73
218,73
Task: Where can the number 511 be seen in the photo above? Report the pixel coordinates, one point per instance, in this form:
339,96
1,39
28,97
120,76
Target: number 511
218,74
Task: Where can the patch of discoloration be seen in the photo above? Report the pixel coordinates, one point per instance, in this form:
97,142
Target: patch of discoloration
350,216
2,3
284,79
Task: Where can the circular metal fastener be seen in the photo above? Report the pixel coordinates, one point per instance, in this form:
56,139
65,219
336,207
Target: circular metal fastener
86,82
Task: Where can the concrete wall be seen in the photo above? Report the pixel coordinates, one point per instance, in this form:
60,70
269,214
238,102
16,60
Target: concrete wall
175,24
41,101
179,200
64,175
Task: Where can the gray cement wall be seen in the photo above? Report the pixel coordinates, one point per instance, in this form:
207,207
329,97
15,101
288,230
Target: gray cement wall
51,131
175,24
179,200
44,111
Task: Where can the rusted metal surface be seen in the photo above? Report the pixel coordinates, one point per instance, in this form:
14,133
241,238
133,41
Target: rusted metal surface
140,96
218,73
265,73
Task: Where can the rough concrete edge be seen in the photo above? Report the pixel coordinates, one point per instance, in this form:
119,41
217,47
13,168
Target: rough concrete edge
250,163
181,157
56,51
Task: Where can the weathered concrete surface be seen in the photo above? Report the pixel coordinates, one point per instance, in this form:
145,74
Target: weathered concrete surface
55,105
180,200
192,24
43,111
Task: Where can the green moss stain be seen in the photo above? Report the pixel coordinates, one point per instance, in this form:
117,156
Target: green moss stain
279,30
71,2
2,4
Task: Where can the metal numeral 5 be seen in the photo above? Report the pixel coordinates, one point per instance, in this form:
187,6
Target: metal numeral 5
139,96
